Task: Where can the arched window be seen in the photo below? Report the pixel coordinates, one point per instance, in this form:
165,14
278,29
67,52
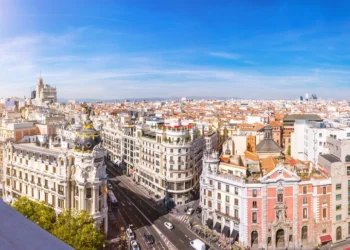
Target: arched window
339,236
347,158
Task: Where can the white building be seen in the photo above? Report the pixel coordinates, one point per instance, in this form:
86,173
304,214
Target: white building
309,138
45,94
63,179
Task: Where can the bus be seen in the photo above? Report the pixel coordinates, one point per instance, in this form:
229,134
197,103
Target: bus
112,200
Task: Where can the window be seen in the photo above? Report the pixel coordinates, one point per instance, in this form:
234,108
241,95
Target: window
204,191
32,192
255,193
210,182
338,217
46,198
304,213
60,189
38,194
236,213
219,196
338,197
227,210
254,204
236,202
320,135
209,203
324,190
53,201
338,186
254,217
236,190
8,171
348,134
305,200
338,207
26,176
324,231
39,180
219,185
304,189
88,193
324,213
339,233
60,203
227,188
280,197
46,168
8,182
348,227
46,183
209,193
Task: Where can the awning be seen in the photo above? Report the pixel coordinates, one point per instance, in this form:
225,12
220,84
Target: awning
325,238
226,231
234,234
210,223
217,227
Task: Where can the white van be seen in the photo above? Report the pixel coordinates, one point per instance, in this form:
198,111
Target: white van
198,244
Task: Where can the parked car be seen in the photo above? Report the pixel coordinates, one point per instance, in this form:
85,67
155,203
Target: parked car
190,211
148,238
134,245
130,234
198,210
168,225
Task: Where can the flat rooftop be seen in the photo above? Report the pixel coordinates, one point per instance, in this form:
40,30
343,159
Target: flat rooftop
17,232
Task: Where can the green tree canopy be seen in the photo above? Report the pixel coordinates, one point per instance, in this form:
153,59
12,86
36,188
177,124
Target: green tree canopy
38,213
77,229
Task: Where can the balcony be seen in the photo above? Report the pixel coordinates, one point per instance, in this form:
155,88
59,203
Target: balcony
53,189
60,192
38,184
235,219
47,187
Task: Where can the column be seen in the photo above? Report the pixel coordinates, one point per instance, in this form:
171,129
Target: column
94,197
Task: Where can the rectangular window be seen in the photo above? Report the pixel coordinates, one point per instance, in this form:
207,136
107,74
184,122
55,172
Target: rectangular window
8,182
53,201
338,207
338,217
219,207
254,204
209,193
46,183
227,210
255,192
209,204
305,200
254,217
236,190
60,203
304,213
211,182
219,196
46,168
236,202
348,227
227,188
338,197
205,191
304,189
324,190
219,185
324,201
236,213
61,189
38,194
46,198
324,213
227,198
88,193
338,186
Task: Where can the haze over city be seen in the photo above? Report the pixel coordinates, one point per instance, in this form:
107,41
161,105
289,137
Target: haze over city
140,49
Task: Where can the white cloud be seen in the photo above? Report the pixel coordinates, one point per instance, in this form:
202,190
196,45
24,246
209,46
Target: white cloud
231,56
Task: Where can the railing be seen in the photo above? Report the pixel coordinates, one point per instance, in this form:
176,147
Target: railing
61,192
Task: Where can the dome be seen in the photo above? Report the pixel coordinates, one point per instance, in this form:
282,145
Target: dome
87,138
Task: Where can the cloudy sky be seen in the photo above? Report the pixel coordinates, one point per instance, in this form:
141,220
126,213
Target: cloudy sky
126,49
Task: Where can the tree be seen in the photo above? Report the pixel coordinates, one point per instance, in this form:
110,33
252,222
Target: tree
38,213
77,229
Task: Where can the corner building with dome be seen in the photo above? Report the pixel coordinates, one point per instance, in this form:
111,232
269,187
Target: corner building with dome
73,177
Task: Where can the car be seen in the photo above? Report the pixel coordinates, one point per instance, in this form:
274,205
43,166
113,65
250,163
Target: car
110,187
130,234
168,225
134,245
198,210
190,211
148,238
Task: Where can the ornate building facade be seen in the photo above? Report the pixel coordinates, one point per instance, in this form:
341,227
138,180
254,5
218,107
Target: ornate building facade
62,178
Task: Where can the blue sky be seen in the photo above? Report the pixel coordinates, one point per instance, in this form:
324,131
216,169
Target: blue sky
125,49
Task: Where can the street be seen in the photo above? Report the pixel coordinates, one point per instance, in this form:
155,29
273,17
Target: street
141,212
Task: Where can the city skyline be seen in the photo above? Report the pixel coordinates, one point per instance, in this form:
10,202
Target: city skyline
119,50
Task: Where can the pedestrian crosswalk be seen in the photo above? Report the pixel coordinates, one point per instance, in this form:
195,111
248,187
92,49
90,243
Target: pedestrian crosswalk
184,218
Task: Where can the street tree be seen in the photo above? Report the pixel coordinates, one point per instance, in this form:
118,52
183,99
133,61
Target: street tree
38,213
77,229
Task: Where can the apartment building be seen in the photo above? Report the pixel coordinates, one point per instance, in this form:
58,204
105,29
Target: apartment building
63,179
309,138
170,161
